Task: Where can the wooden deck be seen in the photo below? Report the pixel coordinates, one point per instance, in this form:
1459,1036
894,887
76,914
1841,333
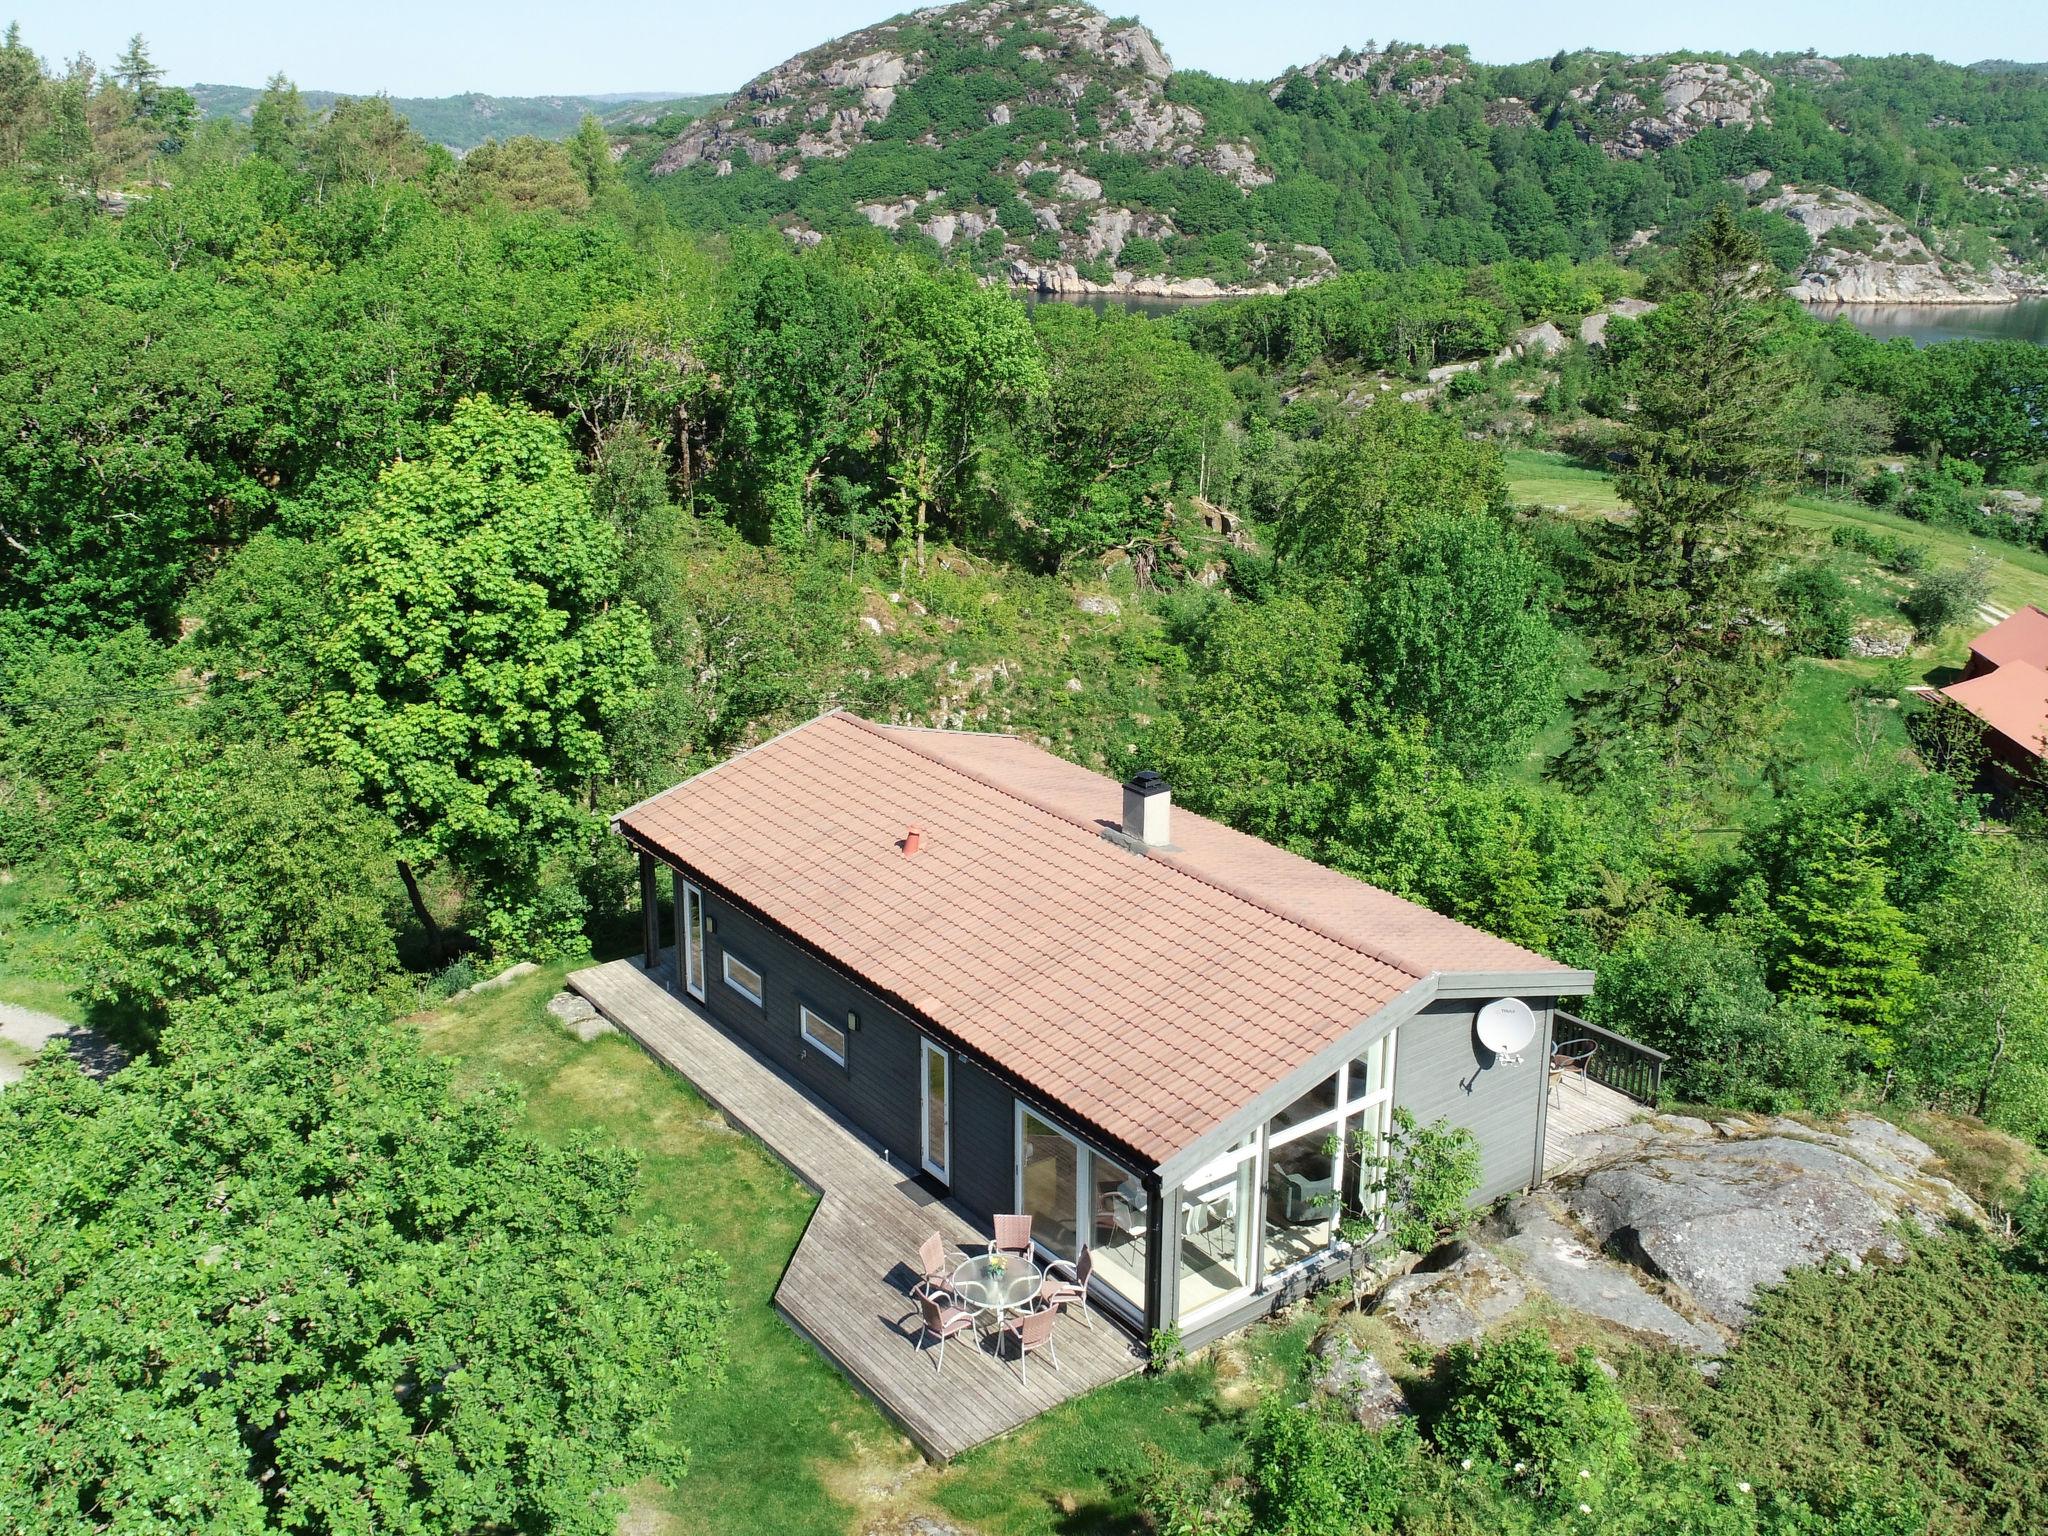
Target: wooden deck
846,1288
1578,1109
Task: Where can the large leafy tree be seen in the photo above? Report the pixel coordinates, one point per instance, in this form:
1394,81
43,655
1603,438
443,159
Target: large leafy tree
788,344
955,359
1130,415
279,1278
1678,607
479,655
1364,484
221,872
1451,627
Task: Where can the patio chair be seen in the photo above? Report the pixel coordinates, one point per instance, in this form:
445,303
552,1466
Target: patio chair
1032,1331
941,1320
1571,1058
1013,1236
1066,1285
931,1266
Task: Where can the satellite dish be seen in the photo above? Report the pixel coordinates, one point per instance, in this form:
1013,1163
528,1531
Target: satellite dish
1507,1027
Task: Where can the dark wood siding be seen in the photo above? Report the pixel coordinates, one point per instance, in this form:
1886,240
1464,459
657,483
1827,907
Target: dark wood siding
984,1141
1442,1072
877,1089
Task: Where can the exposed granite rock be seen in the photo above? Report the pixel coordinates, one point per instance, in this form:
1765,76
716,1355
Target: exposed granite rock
1553,1259
504,978
1864,254
1456,1302
579,1017
1718,1216
1593,329
1354,1378
1691,97
1421,76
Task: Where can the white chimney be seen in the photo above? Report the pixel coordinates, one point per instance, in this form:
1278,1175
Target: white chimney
1148,809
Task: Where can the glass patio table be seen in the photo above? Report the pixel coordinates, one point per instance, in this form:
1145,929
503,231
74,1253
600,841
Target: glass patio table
992,1284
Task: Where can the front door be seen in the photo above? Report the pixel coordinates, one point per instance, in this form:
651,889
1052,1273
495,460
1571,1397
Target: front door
690,936
937,1096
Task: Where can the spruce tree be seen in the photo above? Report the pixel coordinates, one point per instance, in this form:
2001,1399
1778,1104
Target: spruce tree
1844,946
1677,610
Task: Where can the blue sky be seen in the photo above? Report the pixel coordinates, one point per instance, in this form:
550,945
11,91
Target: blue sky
527,47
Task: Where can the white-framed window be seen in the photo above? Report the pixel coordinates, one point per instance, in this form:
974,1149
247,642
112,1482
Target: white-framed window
742,978
821,1034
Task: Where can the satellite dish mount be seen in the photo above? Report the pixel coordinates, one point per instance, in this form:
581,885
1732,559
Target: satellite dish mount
1507,1028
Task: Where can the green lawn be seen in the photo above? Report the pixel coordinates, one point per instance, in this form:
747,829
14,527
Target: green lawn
36,968
2019,576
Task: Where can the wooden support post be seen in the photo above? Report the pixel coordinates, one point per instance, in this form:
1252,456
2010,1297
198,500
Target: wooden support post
650,910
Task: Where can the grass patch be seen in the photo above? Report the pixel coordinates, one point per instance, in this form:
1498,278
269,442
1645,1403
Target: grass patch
1071,1472
36,968
2018,576
770,1444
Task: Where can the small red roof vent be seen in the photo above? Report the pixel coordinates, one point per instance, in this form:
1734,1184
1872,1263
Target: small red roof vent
912,841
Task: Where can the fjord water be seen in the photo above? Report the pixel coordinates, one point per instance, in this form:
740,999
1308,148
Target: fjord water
2026,320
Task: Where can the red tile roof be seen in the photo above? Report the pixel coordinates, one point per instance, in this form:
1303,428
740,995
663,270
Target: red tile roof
2020,636
2012,699
1149,996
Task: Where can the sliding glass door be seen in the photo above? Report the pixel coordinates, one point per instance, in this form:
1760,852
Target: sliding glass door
1078,1197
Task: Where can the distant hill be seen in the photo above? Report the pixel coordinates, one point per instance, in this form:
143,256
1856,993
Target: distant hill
1050,142
2008,67
465,121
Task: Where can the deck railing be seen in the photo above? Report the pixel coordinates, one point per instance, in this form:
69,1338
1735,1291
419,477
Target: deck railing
1627,1066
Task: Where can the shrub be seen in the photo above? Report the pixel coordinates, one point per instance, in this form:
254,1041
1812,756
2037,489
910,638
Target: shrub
1814,600
1700,994
1428,1175
1560,1425
1901,556
1948,596
1314,1472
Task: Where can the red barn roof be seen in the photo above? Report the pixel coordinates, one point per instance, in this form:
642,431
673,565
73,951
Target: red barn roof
2012,699
2019,636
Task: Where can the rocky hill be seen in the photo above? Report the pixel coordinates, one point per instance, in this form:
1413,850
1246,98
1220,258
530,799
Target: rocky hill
1031,90
1864,254
1053,144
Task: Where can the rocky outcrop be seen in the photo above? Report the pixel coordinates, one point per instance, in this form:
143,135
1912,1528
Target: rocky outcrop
1347,1372
1717,1212
1548,1254
1105,79
1864,254
1593,329
1457,1301
1420,76
1660,103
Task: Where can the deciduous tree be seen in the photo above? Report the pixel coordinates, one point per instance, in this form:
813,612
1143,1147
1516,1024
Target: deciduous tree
479,656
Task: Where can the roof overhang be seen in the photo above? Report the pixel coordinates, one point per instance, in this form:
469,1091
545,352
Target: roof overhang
1440,987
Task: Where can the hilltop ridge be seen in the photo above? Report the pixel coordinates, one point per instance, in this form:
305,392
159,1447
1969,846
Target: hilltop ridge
1059,147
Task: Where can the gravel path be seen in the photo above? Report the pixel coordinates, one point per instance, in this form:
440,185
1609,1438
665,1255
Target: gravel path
25,1031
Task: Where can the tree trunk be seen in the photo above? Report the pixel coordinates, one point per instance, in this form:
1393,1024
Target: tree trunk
419,910
1991,1071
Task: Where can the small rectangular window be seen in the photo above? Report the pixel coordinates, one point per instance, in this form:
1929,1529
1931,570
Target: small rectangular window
743,978
822,1034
